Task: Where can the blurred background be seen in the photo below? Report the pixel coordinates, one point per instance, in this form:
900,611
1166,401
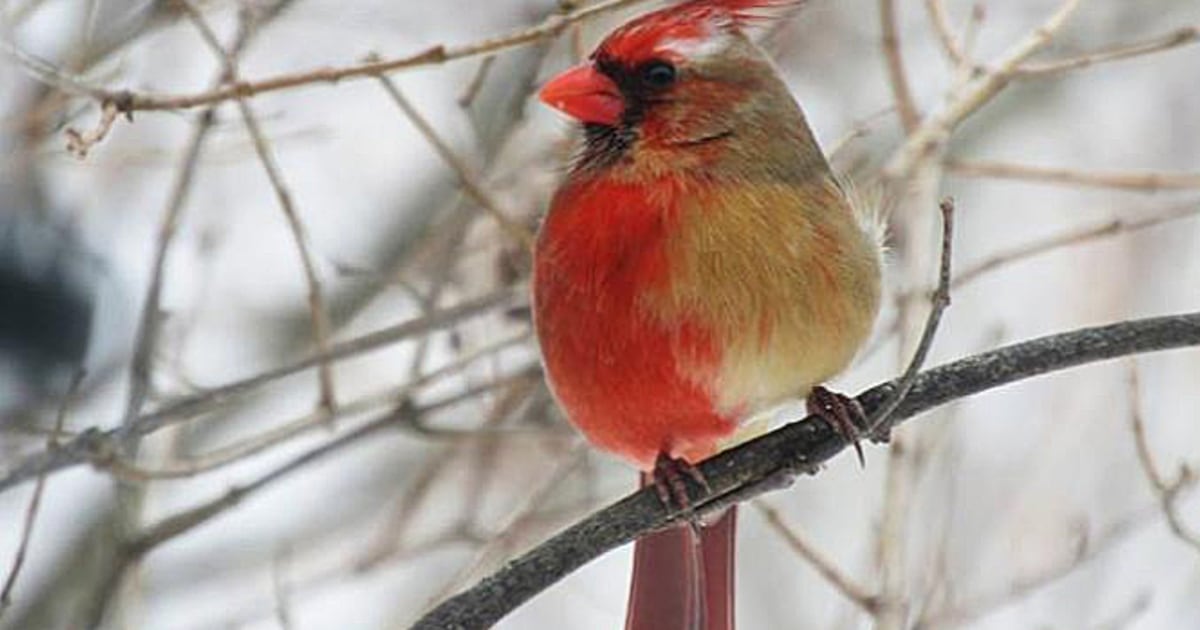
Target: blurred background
175,274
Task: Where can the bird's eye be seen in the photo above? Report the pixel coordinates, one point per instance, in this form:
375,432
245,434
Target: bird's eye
658,74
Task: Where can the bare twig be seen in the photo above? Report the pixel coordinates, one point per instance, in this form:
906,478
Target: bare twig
518,519
47,73
877,424
35,501
280,588
1087,548
843,583
472,90
79,143
318,312
258,443
1074,237
85,447
149,321
909,118
182,522
129,101
945,34
936,129
466,175
1146,181
1180,37
1167,491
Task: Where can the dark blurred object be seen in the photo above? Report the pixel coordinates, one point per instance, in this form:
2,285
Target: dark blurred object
46,306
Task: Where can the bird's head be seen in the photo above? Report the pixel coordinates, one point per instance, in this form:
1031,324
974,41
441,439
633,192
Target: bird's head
681,77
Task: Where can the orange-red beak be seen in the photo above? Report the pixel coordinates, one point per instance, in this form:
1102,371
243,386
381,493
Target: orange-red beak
585,94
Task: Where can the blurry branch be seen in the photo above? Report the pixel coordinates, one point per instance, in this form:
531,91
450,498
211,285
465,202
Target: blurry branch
406,414
1074,237
318,312
151,315
891,608
1167,491
843,583
1087,548
1148,181
1179,37
860,129
255,444
466,177
35,502
773,460
520,517
470,92
976,92
909,118
1131,612
94,443
280,589
393,536
47,73
127,513
128,101
941,27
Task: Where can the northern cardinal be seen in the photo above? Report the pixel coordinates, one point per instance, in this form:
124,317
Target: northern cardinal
700,263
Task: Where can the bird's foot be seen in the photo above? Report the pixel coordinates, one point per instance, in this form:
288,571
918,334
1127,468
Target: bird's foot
669,484
842,413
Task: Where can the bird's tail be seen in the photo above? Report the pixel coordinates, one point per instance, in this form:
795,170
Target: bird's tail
683,578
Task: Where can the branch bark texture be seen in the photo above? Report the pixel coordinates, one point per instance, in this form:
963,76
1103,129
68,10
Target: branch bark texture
773,460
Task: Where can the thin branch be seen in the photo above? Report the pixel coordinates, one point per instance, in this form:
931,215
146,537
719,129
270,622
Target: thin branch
255,444
94,443
1166,491
318,312
172,527
1086,549
1145,181
466,176
844,584
519,518
1074,237
936,129
79,143
861,128
47,73
773,460
476,84
909,118
35,502
130,101
280,589
151,315
945,35
1180,37
877,423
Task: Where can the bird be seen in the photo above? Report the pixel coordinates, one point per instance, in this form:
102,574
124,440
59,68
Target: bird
699,264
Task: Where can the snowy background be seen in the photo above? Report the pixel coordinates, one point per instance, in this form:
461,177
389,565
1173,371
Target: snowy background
1025,507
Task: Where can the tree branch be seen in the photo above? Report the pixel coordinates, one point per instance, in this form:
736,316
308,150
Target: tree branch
94,442
777,457
127,101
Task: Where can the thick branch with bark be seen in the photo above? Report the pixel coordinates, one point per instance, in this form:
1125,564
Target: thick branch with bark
775,459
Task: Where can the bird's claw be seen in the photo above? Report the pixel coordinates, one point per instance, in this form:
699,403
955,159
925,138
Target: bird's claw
842,413
669,484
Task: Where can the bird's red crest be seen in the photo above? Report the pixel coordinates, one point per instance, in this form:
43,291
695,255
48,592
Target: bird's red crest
638,39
